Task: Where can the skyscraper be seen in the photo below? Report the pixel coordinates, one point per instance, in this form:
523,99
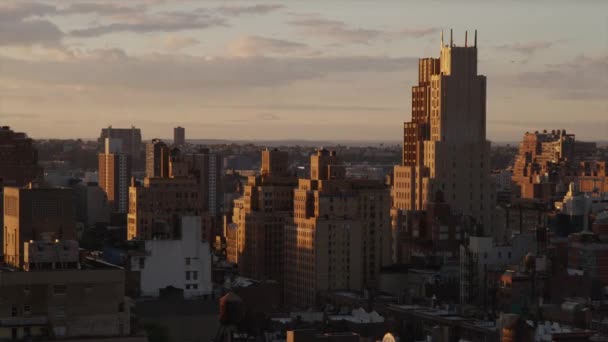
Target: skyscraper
115,175
260,216
179,136
206,166
444,146
157,159
130,137
340,236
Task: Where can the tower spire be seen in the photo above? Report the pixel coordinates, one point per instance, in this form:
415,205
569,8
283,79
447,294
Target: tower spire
451,38
441,38
466,38
475,42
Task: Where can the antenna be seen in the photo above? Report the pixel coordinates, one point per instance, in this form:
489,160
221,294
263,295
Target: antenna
466,38
441,38
451,38
475,38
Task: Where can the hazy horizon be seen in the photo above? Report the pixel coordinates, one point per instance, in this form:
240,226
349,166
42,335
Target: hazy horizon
292,70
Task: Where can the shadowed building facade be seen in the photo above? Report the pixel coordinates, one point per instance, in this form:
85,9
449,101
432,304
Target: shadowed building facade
445,147
261,215
33,213
340,236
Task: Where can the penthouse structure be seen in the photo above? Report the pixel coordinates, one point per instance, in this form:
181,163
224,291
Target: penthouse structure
340,236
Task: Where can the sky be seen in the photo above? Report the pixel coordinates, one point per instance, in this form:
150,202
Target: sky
300,69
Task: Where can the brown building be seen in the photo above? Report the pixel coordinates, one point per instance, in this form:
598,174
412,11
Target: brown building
340,237
157,159
83,299
260,216
548,161
130,138
430,235
34,213
18,158
179,136
155,207
115,175
445,147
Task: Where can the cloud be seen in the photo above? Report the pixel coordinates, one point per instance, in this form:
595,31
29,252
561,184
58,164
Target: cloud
162,22
29,32
260,46
19,10
21,24
528,48
583,78
341,33
237,10
176,43
101,9
268,117
336,30
175,73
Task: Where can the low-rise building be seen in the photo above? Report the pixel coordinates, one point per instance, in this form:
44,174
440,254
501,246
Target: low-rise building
62,297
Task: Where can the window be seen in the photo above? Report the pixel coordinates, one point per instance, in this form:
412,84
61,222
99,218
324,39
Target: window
27,310
121,307
14,311
187,275
194,275
142,263
187,261
195,286
187,286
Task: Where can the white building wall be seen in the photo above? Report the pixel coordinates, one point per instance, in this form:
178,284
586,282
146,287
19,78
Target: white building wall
184,263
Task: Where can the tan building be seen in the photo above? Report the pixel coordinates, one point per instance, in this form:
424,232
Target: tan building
549,161
115,175
445,147
34,213
340,236
260,216
155,207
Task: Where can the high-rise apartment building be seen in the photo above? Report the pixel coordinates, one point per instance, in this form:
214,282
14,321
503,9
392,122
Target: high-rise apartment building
445,147
206,167
130,137
179,136
18,158
156,207
34,213
157,159
261,215
115,175
340,236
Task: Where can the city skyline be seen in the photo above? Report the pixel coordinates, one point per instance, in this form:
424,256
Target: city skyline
290,70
